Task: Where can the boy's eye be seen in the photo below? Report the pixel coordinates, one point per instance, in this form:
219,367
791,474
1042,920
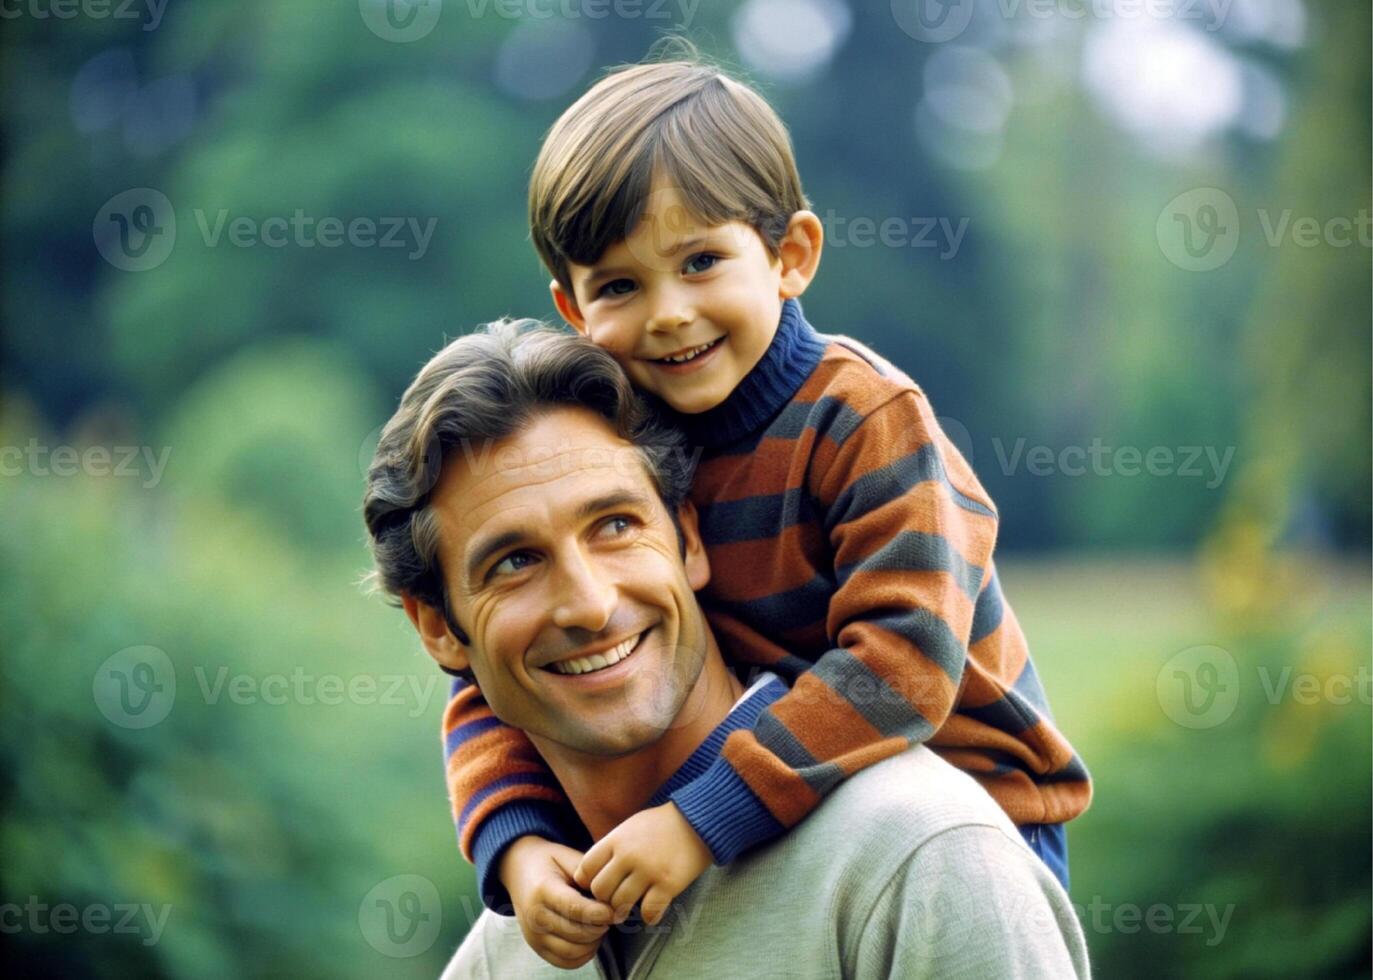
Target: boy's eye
701,262
616,287
511,563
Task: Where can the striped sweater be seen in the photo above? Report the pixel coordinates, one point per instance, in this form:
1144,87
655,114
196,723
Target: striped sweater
850,547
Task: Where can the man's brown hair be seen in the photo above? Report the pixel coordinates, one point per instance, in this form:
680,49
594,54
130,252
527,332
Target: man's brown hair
479,389
712,138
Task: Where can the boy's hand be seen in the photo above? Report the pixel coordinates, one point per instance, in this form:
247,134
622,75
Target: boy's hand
652,857
559,923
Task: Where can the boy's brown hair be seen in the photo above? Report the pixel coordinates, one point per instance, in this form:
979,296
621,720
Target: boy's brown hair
712,138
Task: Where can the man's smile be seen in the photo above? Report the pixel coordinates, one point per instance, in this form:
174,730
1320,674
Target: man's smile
591,663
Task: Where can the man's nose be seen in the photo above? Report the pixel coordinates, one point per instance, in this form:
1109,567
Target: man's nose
585,596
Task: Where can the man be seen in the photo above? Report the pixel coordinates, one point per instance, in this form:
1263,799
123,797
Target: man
530,516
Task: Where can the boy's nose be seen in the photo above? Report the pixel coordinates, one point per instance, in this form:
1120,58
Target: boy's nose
669,313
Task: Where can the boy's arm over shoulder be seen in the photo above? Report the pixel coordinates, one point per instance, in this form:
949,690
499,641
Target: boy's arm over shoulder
912,533
500,788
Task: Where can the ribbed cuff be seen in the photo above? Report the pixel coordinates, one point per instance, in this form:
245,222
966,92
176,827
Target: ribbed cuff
725,813
507,825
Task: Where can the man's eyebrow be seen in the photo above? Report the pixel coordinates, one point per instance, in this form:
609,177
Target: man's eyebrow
596,505
489,548
609,501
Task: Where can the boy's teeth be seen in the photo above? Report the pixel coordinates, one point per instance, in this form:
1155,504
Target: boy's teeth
694,352
597,661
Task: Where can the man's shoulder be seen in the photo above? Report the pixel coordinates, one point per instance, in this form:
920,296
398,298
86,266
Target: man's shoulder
896,805
878,820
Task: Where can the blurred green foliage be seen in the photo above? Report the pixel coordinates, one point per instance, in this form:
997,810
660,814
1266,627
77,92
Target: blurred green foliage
264,827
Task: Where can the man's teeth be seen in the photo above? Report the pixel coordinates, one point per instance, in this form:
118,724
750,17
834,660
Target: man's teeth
690,355
597,661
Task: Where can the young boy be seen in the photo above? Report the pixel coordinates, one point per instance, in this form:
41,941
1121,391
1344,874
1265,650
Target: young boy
850,543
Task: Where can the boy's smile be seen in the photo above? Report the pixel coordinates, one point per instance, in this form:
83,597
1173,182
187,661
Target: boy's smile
687,308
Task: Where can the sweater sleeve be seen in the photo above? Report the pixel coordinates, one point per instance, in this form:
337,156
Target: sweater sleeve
911,532
500,788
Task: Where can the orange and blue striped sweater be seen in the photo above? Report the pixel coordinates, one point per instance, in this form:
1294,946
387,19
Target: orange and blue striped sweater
850,547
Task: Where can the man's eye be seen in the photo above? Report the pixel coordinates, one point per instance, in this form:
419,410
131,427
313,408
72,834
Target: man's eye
701,262
616,287
512,563
617,527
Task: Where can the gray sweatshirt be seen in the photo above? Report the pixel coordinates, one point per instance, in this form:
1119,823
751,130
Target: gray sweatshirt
907,869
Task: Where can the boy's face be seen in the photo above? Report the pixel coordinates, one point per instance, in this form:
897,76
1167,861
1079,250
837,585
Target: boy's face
687,308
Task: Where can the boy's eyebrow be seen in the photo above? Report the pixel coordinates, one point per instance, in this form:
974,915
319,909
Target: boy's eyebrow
600,273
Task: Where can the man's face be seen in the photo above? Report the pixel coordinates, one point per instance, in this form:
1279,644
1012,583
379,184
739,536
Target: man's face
565,570
687,309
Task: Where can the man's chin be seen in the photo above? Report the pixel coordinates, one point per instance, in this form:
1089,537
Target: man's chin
613,739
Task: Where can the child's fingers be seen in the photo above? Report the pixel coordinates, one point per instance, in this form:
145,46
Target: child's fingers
563,954
630,890
576,907
592,862
655,903
547,922
608,879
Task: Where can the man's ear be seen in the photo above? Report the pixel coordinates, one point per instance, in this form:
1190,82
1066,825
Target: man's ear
799,252
694,552
567,306
434,633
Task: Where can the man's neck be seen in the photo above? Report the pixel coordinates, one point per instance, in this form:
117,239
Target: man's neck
605,791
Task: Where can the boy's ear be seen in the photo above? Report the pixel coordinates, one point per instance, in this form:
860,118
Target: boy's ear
694,551
799,252
567,306
434,633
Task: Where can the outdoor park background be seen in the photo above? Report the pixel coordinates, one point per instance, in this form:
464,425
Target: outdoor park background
1164,245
